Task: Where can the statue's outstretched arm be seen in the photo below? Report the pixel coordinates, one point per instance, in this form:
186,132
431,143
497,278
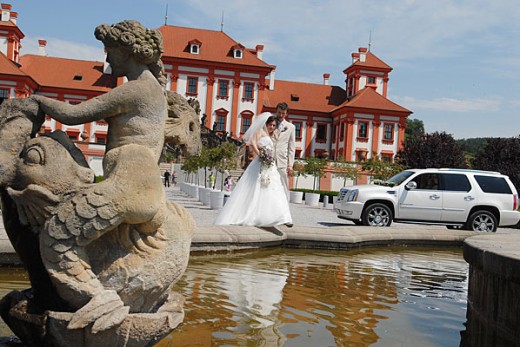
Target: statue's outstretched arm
116,102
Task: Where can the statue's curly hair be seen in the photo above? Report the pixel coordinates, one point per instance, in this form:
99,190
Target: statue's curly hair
143,43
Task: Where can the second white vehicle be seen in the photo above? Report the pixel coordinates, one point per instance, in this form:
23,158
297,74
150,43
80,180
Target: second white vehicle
469,199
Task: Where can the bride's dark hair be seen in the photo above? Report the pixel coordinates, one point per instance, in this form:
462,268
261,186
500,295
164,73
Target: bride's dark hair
259,123
270,119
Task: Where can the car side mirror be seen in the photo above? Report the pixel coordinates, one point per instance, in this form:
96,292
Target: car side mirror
411,185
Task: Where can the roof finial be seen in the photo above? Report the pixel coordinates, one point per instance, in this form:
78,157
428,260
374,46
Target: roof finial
370,40
166,15
222,22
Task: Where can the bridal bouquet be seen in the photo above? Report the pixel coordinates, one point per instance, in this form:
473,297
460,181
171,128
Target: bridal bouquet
266,157
266,161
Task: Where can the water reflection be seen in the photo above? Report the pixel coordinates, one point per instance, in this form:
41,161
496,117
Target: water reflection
284,297
281,297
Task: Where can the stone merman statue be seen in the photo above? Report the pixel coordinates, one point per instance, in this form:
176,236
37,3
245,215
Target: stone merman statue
111,250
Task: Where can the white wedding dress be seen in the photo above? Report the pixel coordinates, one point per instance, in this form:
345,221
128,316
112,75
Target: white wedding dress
252,202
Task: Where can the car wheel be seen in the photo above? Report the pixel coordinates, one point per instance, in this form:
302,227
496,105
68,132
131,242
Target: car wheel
482,221
377,215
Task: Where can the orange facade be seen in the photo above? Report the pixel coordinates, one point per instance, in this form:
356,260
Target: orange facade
232,84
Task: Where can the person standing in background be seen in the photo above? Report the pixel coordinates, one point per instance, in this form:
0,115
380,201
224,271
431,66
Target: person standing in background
167,178
211,180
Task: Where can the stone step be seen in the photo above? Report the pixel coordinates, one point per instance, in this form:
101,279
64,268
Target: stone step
236,173
165,166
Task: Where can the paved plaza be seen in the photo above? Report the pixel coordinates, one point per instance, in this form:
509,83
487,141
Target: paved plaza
302,214
314,227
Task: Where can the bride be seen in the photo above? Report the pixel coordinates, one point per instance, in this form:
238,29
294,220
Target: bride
259,198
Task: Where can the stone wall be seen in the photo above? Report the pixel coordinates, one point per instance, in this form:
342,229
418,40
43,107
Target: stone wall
494,290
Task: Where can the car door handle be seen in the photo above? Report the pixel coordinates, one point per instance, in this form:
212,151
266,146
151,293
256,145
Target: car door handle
435,197
469,198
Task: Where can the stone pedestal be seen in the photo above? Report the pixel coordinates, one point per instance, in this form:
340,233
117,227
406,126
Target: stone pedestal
216,199
50,328
296,197
494,290
312,199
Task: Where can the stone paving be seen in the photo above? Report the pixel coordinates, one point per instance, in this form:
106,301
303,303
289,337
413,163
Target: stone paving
313,227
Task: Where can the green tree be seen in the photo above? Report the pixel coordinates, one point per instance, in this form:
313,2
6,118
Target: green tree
472,146
298,168
380,170
223,159
435,150
414,129
314,167
502,155
206,161
345,170
190,166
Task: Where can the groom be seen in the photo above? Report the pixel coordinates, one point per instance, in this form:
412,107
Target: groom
284,145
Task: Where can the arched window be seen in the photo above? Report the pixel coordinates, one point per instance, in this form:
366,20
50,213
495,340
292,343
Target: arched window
220,119
247,118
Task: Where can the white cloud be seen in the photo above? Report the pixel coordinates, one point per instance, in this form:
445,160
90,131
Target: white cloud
64,49
451,104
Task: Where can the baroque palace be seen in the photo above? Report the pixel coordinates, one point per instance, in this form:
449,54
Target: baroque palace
231,83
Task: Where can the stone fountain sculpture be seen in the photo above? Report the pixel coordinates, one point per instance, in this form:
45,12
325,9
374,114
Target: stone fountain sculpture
101,257
182,125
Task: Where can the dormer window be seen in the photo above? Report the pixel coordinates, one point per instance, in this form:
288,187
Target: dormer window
78,77
238,51
195,46
295,97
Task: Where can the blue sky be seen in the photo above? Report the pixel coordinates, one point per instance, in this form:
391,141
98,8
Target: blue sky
456,62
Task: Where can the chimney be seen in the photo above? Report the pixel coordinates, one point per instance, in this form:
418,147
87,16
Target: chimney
362,54
6,12
271,78
326,77
355,58
14,17
259,51
41,47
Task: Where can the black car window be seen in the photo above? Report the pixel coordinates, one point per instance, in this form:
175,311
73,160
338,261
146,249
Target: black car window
490,184
455,182
427,181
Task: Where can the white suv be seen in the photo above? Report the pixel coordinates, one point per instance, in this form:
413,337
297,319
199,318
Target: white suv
469,199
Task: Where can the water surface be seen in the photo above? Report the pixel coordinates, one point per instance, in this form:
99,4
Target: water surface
288,297
285,297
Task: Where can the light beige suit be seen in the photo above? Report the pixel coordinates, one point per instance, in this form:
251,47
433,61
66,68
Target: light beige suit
284,149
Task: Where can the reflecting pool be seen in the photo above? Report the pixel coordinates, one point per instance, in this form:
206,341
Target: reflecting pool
289,297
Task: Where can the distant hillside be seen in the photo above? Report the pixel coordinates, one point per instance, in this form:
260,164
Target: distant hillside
472,146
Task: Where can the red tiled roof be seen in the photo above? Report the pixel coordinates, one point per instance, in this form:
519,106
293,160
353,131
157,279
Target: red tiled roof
61,73
370,99
311,97
7,67
216,46
10,26
372,61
